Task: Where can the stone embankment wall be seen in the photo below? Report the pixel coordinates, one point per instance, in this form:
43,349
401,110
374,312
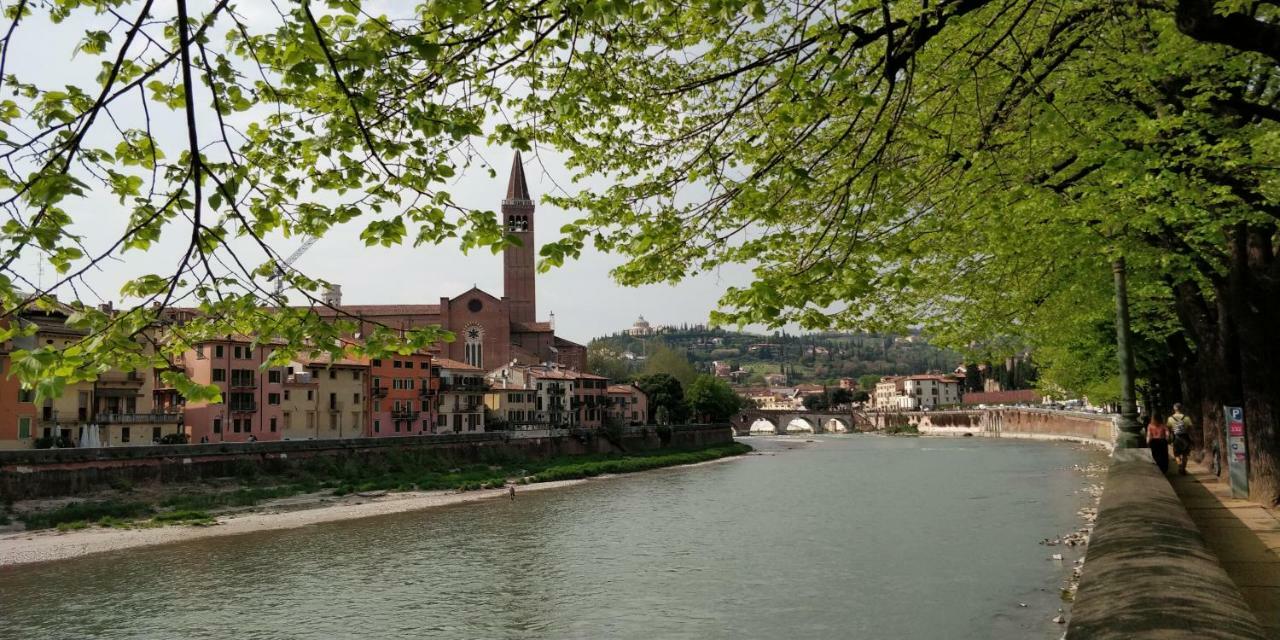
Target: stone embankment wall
1037,424
1147,572
33,473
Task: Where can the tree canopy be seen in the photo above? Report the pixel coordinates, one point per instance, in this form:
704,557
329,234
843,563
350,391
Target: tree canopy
973,167
711,399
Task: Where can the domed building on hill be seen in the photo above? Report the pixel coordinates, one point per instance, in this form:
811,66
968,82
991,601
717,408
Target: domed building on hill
641,328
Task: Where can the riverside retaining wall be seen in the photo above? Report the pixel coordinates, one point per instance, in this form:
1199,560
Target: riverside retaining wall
38,473
1147,572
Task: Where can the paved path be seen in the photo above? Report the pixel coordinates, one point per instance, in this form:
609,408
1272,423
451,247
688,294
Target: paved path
1244,535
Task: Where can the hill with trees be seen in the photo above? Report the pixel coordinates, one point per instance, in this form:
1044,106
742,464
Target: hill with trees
821,358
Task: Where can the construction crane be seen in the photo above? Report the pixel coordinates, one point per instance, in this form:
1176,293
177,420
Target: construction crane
287,262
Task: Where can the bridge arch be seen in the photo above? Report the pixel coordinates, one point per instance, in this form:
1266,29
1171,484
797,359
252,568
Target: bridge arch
763,426
835,425
800,424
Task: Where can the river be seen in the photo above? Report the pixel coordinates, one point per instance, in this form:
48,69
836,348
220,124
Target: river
841,537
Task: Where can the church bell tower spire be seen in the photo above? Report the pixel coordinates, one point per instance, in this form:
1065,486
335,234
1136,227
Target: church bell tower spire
518,261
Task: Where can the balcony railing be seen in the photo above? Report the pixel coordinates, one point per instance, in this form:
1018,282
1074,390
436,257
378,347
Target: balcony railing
144,418
378,392
404,414
244,407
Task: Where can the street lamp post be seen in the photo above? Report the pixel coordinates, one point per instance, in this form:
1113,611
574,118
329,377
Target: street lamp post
1129,436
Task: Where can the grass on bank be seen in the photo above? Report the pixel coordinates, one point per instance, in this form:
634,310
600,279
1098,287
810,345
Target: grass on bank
398,471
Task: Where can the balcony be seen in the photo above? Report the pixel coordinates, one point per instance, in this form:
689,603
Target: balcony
378,392
405,414
335,407
244,407
138,418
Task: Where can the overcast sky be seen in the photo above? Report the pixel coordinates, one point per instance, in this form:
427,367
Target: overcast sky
585,300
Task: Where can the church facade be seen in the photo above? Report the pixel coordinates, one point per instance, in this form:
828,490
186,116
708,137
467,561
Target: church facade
490,331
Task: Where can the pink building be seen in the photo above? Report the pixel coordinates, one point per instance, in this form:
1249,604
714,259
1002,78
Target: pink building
251,396
628,405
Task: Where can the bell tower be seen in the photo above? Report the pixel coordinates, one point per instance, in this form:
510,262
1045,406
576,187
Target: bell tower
518,262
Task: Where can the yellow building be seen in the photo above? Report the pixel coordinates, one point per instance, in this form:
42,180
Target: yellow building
340,396
513,405
300,405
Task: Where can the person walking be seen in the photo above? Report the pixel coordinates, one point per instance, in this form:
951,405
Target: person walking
512,491
1180,425
1158,440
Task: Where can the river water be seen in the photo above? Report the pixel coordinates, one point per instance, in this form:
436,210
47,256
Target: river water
842,537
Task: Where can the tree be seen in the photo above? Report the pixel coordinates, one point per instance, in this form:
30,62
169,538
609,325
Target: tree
603,361
665,360
817,402
711,399
868,381
841,396
665,393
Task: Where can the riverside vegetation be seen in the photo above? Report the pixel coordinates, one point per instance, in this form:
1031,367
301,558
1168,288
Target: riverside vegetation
399,471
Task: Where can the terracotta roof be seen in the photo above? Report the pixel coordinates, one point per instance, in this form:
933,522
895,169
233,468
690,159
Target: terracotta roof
623,388
324,359
532,327
380,309
590,376
517,187
446,363
507,388
561,342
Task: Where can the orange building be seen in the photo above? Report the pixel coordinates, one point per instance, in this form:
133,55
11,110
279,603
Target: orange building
402,391
17,411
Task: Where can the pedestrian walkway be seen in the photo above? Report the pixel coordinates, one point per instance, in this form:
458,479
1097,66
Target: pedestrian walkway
1244,535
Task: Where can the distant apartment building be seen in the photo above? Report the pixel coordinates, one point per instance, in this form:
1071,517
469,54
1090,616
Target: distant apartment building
721,369
462,397
252,396
512,405
628,405
401,395
911,393
590,399
341,397
300,406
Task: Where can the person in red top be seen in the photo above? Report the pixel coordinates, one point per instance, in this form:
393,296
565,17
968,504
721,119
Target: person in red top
1158,440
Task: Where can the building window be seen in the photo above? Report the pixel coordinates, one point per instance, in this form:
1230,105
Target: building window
286,394
242,377
219,375
333,374
217,351
355,374
124,434
377,426
355,398
273,425
396,364
155,434
376,362
217,425
473,349
424,365
288,420
200,352
26,395
273,398
308,394
273,376
24,428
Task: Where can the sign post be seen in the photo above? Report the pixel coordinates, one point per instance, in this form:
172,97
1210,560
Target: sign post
1237,452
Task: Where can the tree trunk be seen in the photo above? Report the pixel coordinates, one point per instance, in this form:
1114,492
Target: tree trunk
1256,316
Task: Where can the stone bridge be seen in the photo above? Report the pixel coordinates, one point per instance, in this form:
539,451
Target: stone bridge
783,421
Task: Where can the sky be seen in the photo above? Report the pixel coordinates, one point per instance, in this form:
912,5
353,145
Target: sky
585,300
